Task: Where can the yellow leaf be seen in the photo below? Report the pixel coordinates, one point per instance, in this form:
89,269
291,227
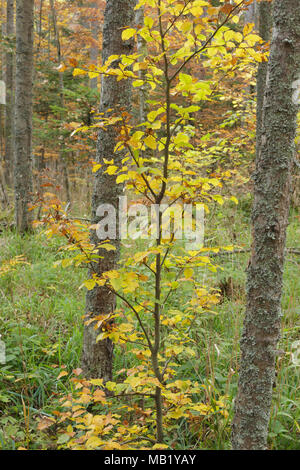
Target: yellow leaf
148,21
108,247
248,28
150,142
128,33
96,167
188,273
234,199
93,442
93,75
122,178
252,39
137,83
160,446
111,170
98,382
90,284
79,72
179,413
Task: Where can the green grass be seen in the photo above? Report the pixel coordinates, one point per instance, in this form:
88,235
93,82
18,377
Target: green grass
41,324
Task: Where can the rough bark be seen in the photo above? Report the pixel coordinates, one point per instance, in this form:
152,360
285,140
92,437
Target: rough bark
272,184
9,110
23,113
97,357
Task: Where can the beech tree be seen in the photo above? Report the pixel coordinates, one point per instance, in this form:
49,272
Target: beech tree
23,113
115,95
272,191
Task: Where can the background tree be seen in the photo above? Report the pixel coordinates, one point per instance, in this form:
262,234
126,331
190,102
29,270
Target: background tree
115,95
9,80
272,190
142,51
62,152
23,113
264,26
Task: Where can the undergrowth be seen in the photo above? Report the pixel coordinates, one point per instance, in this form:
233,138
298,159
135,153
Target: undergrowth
41,324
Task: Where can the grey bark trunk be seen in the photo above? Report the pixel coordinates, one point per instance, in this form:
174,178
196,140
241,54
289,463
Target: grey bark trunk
62,157
97,357
272,185
2,74
23,113
9,110
251,13
264,26
142,51
94,50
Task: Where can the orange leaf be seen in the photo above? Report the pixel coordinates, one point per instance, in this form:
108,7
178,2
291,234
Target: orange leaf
62,374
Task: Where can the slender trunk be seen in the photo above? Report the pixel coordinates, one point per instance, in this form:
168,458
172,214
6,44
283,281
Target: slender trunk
2,75
94,50
251,13
62,159
40,27
3,32
23,113
272,187
142,51
97,357
265,24
9,79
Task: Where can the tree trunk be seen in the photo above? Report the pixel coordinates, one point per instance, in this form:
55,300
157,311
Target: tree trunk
94,50
9,109
62,157
272,187
97,357
142,50
251,13
265,24
2,75
23,113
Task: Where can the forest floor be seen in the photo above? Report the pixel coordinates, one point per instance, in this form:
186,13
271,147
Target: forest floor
41,324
